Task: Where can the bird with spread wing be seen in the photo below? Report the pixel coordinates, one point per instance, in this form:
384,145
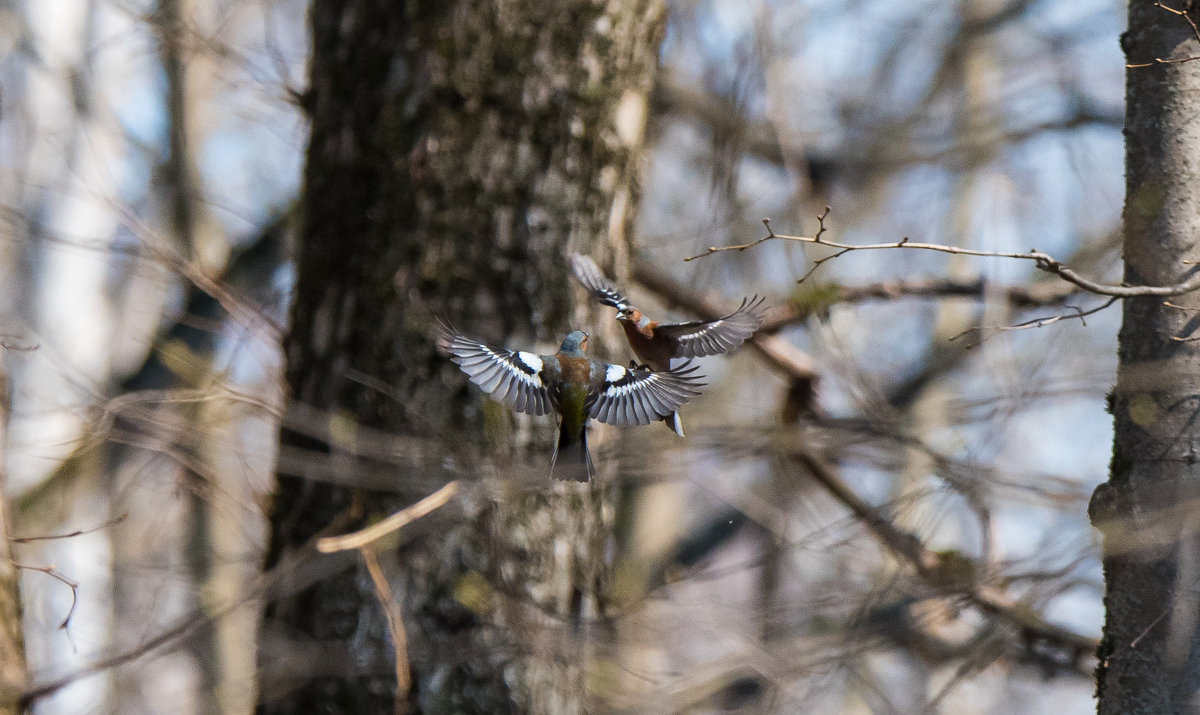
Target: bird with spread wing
575,387
656,344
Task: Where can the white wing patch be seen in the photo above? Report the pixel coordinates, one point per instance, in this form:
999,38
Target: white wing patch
639,397
615,373
533,362
512,378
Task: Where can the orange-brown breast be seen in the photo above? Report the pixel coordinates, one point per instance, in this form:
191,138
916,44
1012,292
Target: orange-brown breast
654,353
575,371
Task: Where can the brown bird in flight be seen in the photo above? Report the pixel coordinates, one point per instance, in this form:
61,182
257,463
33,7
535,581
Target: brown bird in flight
656,344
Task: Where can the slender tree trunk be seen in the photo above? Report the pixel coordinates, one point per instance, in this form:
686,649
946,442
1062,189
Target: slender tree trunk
14,675
1149,510
457,150
193,232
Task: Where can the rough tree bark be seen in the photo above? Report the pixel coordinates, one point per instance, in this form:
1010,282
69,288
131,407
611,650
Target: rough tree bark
457,150
1147,511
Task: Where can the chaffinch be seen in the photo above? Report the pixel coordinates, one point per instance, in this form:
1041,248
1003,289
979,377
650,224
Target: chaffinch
575,386
655,344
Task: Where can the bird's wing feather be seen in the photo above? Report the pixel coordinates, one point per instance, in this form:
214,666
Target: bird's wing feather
625,396
512,377
592,278
700,338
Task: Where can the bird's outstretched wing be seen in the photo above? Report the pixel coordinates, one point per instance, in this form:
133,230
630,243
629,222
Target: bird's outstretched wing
638,397
592,278
512,377
701,337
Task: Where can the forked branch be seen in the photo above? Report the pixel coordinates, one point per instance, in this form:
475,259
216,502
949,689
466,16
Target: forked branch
1178,60
1043,261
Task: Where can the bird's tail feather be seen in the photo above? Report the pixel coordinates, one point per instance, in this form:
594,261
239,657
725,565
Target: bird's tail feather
674,423
576,463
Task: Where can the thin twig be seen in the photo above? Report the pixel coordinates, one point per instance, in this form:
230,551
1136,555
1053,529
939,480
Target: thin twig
241,311
78,532
1161,61
17,344
1079,314
940,573
51,572
1032,295
184,627
1158,60
1042,261
1134,643
395,621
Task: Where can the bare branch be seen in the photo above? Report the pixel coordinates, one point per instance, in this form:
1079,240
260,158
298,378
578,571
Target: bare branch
1134,643
78,532
51,572
395,621
284,573
1179,60
364,537
823,296
1079,314
1043,261
17,344
949,574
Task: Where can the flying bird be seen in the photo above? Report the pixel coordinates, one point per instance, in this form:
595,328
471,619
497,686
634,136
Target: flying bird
575,387
656,344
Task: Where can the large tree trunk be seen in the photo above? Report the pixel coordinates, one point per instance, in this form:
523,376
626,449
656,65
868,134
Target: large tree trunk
1149,659
457,150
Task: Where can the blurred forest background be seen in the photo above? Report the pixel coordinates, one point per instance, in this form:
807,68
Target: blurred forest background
899,424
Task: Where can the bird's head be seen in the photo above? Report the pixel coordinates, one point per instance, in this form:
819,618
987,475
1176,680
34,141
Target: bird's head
575,342
629,314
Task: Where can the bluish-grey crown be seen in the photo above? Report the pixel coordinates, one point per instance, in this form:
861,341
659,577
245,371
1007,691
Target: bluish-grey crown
572,345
